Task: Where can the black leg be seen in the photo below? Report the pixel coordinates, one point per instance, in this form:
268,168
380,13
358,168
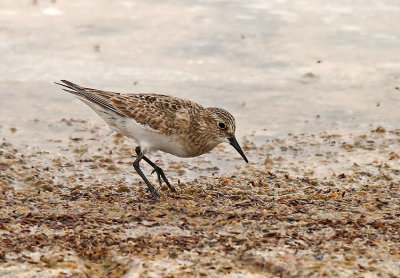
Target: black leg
158,170
160,173
137,168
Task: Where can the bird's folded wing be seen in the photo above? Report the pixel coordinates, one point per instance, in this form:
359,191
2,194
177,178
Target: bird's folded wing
160,113
155,111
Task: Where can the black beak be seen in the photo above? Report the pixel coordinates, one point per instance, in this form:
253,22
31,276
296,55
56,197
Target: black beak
235,144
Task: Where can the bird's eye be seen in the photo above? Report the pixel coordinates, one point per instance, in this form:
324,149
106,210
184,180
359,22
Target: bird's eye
221,125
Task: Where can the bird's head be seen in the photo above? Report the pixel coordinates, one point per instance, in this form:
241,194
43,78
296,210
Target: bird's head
223,124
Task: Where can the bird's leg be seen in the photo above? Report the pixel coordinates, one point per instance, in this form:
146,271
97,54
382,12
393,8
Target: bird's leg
137,168
158,170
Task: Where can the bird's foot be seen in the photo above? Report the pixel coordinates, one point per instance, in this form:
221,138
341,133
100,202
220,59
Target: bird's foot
161,177
154,193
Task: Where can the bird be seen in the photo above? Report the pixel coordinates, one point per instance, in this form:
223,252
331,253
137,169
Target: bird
160,123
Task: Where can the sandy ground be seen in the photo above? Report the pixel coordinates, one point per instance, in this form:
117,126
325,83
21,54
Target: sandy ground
82,212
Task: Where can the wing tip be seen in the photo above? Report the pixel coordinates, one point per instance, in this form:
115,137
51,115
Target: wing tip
70,85
66,86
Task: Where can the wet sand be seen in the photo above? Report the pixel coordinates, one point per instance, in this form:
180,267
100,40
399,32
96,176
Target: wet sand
278,66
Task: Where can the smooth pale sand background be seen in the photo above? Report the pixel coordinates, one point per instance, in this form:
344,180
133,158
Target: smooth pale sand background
276,65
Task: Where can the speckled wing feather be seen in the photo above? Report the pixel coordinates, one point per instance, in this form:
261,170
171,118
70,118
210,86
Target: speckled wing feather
160,113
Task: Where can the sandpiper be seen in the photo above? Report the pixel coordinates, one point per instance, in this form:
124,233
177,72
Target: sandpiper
160,122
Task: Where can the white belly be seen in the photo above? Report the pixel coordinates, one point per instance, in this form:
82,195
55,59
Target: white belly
147,139
150,140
